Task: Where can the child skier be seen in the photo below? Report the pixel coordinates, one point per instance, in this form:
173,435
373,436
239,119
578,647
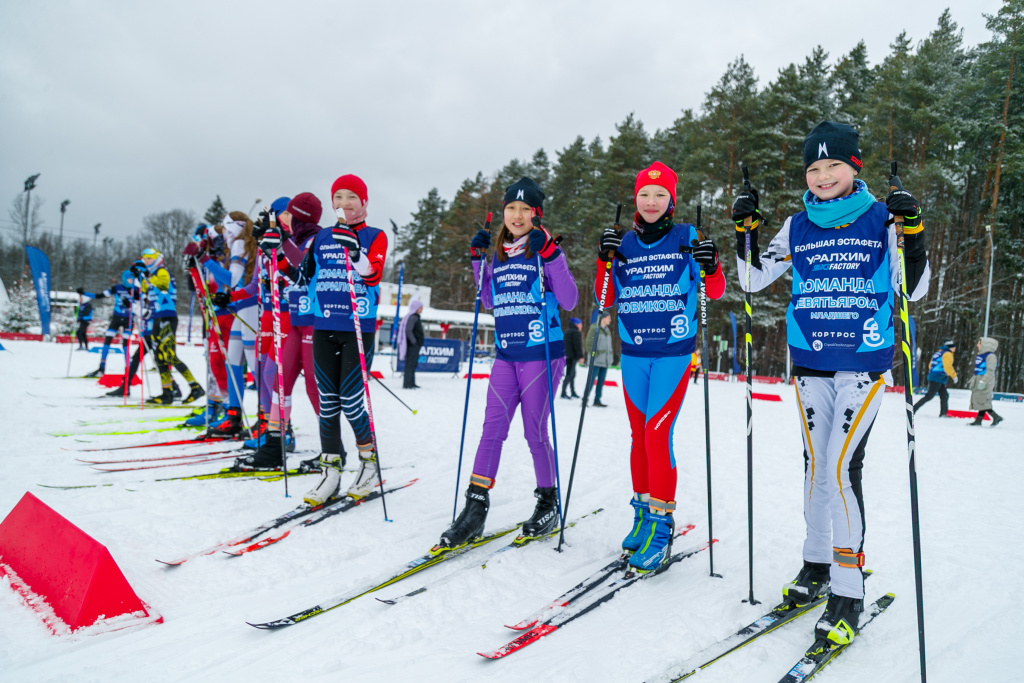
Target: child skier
656,284
940,371
324,272
842,249
158,286
510,286
122,297
84,318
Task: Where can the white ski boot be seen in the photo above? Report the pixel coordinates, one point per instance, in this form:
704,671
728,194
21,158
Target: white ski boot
367,479
330,480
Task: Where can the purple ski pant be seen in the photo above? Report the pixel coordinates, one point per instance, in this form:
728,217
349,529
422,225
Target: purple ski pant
512,384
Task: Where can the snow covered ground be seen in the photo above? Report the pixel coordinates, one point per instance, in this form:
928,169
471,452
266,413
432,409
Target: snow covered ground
971,511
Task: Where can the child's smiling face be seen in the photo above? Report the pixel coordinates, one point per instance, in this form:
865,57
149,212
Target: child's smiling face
830,178
518,218
652,202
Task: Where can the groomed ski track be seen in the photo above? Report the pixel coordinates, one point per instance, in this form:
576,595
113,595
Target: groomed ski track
970,511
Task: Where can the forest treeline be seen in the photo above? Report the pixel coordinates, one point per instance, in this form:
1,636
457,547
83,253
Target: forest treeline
949,114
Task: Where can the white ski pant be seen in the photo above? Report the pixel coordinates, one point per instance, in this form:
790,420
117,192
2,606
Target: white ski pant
243,338
836,415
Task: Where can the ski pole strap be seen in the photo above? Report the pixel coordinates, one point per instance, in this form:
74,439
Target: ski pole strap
482,481
845,557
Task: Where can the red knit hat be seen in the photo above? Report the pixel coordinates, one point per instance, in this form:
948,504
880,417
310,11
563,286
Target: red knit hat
352,183
657,174
305,207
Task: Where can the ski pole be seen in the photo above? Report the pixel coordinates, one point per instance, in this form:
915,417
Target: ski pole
366,380
469,371
590,377
545,322
191,305
275,299
413,411
908,391
128,351
747,222
707,400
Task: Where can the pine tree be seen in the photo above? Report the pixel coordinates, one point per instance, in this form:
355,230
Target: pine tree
215,214
22,312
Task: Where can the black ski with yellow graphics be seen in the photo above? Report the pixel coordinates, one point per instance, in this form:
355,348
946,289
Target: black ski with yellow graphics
432,558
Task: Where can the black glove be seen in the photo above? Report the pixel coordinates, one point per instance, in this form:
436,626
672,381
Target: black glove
741,245
901,203
611,240
138,268
80,290
480,243
262,225
542,243
706,254
344,236
271,242
746,206
221,299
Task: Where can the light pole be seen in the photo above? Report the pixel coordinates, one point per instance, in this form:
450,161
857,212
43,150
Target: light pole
30,184
60,243
254,206
991,257
95,233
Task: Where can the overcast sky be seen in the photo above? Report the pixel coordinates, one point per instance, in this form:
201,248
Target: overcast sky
131,108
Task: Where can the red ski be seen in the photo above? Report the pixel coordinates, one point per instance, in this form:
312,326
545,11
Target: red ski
178,442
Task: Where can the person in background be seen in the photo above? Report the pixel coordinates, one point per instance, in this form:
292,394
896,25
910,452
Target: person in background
939,373
573,355
84,318
410,341
695,362
983,383
603,356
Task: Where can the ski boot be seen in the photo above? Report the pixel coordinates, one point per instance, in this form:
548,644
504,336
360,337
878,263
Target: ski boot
98,372
120,391
196,393
257,434
212,413
230,426
641,509
839,623
176,391
655,537
289,440
366,479
470,523
330,480
164,399
811,583
545,514
267,457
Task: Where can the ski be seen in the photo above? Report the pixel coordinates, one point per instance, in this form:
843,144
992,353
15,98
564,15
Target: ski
432,558
178,456
135,468
292,515
112,421
176,428
227,473
594,598
178,442
586,585
823,651
519,542
780,615
329,510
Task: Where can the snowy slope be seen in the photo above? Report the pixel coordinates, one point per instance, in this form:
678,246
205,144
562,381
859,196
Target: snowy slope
971,512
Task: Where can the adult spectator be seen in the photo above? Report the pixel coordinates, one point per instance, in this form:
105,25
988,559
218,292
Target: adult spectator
573,355
410,340
603,357
983,382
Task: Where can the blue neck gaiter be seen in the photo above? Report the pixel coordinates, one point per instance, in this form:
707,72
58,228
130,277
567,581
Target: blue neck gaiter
840,211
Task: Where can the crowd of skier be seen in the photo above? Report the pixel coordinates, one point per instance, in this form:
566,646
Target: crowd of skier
283,296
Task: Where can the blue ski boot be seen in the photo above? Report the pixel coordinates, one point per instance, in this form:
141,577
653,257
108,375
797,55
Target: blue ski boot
215,412
289,440
641,509
655,537
257,434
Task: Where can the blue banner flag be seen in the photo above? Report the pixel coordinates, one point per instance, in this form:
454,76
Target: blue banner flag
439,355
40,265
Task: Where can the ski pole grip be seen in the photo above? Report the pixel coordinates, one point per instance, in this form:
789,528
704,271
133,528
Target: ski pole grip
896,184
